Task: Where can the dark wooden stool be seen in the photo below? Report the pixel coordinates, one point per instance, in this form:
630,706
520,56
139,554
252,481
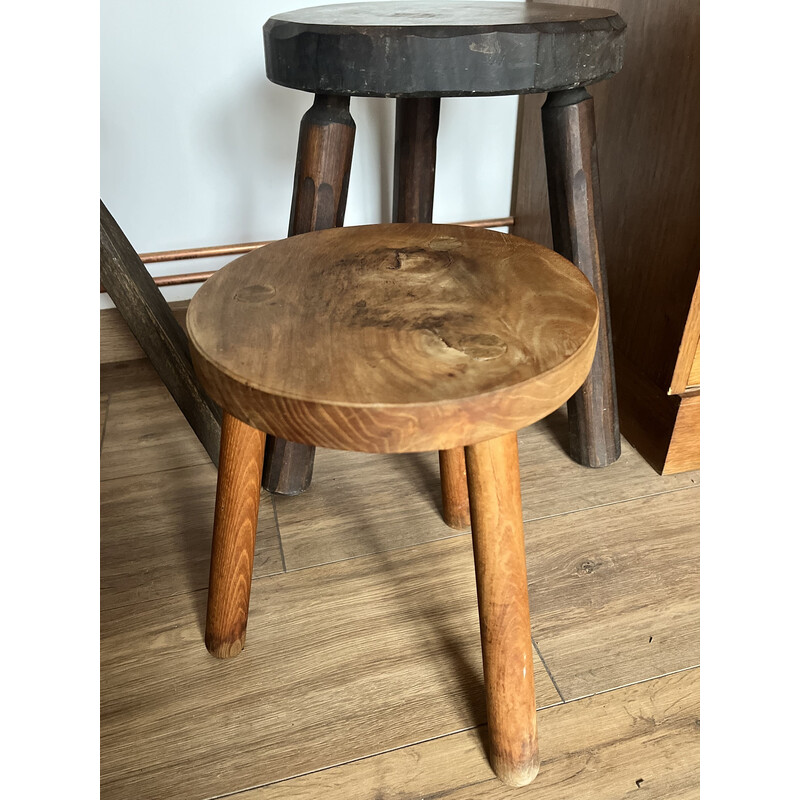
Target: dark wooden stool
390,339
419,52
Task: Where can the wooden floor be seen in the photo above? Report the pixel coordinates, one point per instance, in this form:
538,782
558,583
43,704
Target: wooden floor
362,672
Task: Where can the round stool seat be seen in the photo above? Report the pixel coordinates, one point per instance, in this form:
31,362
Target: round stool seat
427,49
394,338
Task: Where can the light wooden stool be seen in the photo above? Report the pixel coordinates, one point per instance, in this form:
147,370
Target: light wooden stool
392,339
419,51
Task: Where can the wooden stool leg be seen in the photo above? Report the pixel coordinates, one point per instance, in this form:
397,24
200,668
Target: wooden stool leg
455,496
321,179
574,188
416,128
235,523
499,548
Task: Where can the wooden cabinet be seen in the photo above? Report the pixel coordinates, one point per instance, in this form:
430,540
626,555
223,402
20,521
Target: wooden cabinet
648,146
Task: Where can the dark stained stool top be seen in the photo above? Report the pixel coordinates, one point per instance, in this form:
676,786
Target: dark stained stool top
394,338
428,49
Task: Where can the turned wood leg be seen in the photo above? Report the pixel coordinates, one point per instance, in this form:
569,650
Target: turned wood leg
322,175
235,522
574,188
455,496
499,548
416,128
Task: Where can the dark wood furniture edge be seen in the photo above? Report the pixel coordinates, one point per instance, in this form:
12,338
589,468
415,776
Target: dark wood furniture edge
321,180
158,333
662,427
292,50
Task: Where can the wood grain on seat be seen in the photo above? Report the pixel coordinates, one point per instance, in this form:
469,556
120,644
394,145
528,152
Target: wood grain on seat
394,338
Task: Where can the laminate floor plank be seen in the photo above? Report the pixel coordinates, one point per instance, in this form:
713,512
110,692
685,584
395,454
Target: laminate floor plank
118,344
342,661
615,591
637,741
361,503
366,654
125,375
360,656
145,430
155,535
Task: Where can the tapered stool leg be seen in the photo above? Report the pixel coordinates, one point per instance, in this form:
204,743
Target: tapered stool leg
455,496
321,179
235,522
499,548
574,190
416,129
416,126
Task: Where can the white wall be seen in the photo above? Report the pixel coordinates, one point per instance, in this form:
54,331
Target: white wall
198,147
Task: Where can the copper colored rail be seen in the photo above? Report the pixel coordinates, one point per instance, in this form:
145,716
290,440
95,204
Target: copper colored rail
201,252
246,247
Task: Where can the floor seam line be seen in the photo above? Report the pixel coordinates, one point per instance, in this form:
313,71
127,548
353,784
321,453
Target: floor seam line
613,503
444,735
105,422
633,683
278,531
348,762
154,471
547,669
468,532
381,552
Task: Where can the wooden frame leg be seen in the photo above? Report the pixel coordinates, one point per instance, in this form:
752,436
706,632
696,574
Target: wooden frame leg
416,129
152,322
233,547
574,189
499,548
321,179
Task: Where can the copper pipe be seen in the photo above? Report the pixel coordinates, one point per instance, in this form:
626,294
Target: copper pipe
502,222
187,277
246,247
201,252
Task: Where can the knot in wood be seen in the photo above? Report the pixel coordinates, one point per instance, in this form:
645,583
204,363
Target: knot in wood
255,293
444,243
479,346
